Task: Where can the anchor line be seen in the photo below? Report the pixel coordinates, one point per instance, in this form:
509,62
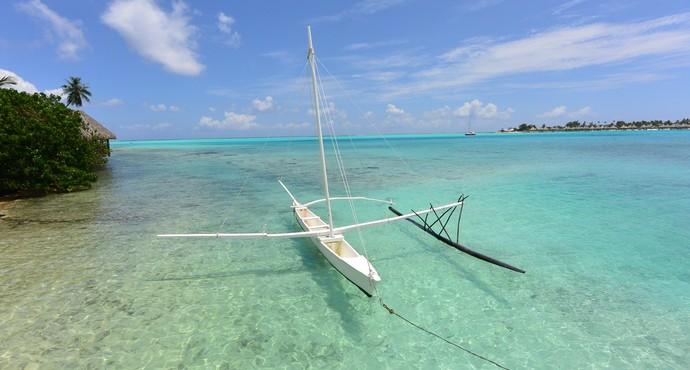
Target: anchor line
456,345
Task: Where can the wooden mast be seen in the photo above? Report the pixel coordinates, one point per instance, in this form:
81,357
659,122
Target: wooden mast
317,112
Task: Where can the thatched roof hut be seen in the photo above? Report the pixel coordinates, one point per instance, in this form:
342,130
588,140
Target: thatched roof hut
94,129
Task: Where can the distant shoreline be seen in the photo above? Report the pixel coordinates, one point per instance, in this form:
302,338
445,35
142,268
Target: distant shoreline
599,128
655,125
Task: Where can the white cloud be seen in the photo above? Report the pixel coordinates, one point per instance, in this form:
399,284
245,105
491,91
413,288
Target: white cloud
263,105
163,108
560,49
292,125
231,120
477,109
370,45
330,110
211,109
149,126
566,6
58,91
26,86
562,111
71,38
582,112
555,112
158,107
224,24
21,84
364,7
114,102
165,38
392,109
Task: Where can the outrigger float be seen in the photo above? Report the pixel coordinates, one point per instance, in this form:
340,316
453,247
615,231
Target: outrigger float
330,240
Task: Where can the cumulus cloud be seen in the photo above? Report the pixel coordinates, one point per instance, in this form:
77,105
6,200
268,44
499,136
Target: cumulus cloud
562,111
26,86
330,110
71,37
21,84
230,121
163,37
224,24
555,112
582,112
58,91
163,108
263,105
158,107
392,109
477,109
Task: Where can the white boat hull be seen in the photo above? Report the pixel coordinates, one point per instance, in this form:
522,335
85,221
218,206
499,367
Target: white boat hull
339,253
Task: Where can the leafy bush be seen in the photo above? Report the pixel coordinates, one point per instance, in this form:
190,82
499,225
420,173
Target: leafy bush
42,148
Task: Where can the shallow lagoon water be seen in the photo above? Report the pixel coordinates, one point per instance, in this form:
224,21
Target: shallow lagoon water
598,220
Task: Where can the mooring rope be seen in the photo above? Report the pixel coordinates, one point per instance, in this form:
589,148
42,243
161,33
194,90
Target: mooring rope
392,312
330,123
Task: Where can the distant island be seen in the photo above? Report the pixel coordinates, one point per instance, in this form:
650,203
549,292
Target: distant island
683,124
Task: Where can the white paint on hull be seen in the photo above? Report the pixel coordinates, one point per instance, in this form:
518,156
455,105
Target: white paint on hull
339,253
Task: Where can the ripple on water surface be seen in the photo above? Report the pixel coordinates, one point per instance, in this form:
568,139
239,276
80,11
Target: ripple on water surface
598,222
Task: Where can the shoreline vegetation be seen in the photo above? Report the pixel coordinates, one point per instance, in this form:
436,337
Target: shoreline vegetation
682,124
45,146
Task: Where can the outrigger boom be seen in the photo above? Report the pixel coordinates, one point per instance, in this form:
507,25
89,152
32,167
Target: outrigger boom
330,240
310,234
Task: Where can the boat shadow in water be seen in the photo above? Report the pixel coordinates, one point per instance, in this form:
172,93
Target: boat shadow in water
463,273
334,285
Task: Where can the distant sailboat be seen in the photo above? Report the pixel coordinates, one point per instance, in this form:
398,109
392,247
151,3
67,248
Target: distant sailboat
469,131
329,239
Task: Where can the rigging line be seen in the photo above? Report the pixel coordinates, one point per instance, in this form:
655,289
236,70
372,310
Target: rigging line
246,178
346,184
370,122
378,293
442,228
392,312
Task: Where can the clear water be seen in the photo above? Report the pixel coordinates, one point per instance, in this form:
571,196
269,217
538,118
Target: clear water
599,221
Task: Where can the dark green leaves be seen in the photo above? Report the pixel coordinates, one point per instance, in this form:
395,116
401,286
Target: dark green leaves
42,148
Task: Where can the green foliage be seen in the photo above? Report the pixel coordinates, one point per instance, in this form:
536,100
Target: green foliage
42,148
526,127
76,91
620,125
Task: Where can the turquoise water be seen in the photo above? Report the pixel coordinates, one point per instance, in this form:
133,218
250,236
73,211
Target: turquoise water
598,220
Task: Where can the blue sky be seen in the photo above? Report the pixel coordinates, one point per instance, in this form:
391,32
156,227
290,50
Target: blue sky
175,69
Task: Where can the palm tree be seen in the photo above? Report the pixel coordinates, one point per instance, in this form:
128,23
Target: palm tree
76,91
7,80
